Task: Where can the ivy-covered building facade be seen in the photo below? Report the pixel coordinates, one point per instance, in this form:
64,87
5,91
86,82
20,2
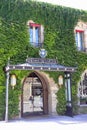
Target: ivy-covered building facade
42,45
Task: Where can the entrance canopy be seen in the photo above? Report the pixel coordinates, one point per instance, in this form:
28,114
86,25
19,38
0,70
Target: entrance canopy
40,64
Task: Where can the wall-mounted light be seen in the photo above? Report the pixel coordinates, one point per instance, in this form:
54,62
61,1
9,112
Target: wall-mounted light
60,80
13,80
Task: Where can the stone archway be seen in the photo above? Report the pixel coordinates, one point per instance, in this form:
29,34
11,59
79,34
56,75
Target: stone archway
82,93
82,89
49,92
44,85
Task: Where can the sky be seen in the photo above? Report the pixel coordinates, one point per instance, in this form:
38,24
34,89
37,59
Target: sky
77,4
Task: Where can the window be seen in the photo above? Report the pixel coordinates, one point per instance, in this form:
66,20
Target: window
36,34
79,35
83,90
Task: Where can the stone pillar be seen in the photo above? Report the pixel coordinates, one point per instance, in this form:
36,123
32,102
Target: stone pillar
54,103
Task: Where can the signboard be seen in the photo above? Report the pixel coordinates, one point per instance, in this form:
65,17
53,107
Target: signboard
41,60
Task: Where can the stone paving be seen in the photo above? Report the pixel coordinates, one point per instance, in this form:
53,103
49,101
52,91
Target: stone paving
47,122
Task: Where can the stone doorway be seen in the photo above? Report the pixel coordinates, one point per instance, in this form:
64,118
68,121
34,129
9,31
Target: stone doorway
48,85
34,100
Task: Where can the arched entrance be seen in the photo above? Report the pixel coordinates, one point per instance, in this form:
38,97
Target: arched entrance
34,99
39,64
82,89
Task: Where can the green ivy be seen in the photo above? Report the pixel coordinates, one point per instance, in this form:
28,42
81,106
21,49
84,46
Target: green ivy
58,22
61,105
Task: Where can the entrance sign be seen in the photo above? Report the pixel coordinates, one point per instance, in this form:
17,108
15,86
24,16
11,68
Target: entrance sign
41,61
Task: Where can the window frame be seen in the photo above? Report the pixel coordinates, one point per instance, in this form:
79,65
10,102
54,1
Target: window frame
79,38
37,34
81,27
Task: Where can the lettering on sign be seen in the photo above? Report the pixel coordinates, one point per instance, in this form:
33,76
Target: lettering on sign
41,60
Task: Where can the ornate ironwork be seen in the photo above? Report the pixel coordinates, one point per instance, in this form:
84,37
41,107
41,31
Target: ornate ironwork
40,64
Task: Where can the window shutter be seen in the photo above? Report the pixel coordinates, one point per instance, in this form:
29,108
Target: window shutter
41,35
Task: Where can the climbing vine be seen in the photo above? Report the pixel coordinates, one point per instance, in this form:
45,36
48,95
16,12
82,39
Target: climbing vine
59,41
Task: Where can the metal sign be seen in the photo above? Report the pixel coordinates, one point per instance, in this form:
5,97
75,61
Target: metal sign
41,60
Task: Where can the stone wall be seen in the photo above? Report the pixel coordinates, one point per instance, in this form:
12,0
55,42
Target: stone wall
52,101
